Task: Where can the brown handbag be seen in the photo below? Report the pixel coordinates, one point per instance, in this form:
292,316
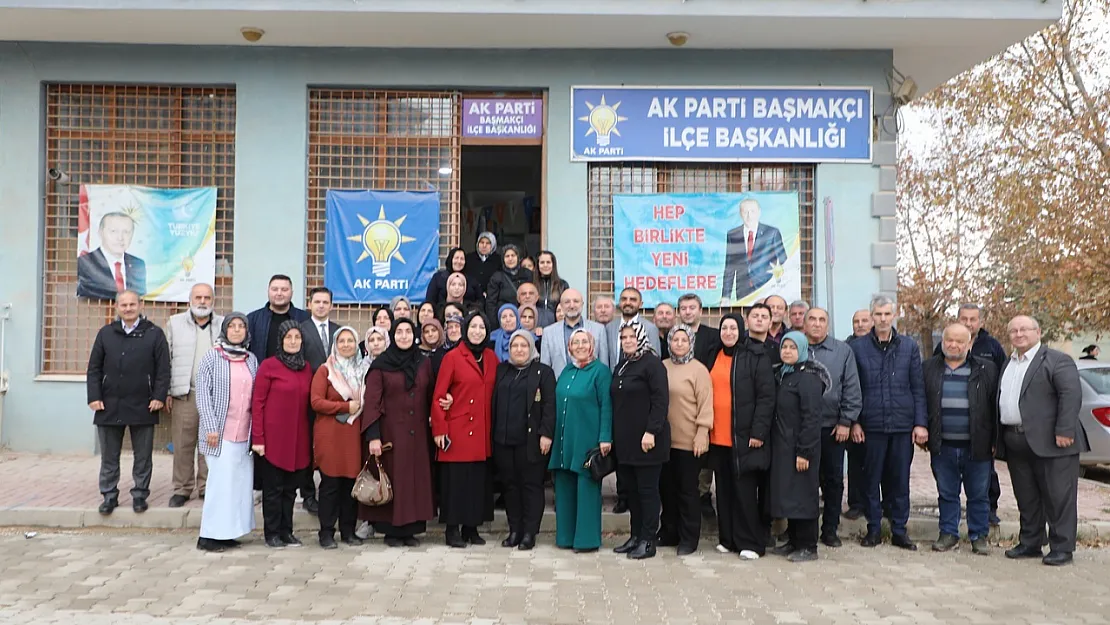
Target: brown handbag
370,489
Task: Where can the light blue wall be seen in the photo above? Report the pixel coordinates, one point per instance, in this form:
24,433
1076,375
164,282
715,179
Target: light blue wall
48,414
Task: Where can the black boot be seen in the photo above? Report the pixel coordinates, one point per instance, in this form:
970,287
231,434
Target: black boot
628,545
470,535
512,541
454,538
644,550
527,542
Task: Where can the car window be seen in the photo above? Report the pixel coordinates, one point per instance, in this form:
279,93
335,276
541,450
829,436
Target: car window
1098,379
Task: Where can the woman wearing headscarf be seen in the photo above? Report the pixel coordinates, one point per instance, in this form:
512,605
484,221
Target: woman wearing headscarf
504,283
459,290
383,318
547,280
425,313
743,406
279,432
482,263
452,337
691,419
508,319
224,385
337,390
462,433
398,392
523,426
583,422
374,343
529,320
796,447
431,336
437,287
641,435
401,307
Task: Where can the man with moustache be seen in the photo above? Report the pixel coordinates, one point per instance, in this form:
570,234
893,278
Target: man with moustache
604,310
798,310
777,305
553,350
664,317
189,335
861,324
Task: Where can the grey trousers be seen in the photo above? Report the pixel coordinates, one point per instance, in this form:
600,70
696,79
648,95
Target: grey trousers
1046,489
111,443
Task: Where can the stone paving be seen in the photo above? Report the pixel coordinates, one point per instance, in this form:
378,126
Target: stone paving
130,578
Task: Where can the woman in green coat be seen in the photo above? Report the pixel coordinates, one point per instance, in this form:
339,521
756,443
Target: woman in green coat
583,421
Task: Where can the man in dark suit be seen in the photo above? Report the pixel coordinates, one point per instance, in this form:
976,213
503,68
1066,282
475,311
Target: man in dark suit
318,331
109,269
1040,439
751,253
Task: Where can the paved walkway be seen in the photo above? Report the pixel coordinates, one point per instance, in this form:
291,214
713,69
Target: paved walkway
161,579
53,481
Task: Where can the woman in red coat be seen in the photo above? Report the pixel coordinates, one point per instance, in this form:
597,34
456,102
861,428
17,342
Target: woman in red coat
398,391
462,433
279,432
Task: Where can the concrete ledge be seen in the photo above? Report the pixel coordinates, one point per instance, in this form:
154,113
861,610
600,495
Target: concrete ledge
920,528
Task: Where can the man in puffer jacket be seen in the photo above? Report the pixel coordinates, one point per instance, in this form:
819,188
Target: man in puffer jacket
892,420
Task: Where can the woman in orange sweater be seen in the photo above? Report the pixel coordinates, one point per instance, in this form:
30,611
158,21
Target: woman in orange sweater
691,418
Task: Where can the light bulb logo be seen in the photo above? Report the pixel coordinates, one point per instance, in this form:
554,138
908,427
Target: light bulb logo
381,241
188,264
603,120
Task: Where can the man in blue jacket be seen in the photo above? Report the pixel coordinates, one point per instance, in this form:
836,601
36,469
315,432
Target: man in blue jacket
892,420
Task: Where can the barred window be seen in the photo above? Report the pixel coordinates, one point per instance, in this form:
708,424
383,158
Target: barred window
377,139
157,136
607,179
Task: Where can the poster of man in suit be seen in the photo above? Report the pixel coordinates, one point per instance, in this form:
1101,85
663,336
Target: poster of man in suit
754,255
156,242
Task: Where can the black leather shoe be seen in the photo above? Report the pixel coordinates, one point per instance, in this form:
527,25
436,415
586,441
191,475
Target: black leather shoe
527,542
207,544
831,540
178,500
108,505
273,542
393,541
327,541
644,550
291,540
621,507
1057,558
1021,551
666,540
311,506
808,554
685,550
871,540
352,541
411,541
853,513
139,505
903,542
586,550
784,549
512,541
628,545
454,539
231,543
472,537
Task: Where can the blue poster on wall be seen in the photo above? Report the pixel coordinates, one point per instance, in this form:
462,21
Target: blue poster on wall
731,124
380,244
731,249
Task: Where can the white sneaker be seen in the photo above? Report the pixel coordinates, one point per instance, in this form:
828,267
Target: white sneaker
364,530
748,555
722,549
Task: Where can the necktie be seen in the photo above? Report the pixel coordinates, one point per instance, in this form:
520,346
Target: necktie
119,277
751,243
324,335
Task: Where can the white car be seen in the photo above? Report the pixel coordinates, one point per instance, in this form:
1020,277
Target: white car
1095,414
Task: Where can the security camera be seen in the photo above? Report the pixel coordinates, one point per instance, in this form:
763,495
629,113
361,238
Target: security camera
57,175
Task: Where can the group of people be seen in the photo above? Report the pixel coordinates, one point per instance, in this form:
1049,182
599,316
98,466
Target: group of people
498,381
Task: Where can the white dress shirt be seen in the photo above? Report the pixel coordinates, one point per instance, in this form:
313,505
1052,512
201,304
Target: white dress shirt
1010,397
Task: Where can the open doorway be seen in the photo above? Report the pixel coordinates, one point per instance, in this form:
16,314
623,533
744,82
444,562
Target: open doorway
502,188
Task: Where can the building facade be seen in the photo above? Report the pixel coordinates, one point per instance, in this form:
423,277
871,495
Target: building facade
335,97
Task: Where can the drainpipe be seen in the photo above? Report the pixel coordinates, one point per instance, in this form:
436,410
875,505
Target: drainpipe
5,314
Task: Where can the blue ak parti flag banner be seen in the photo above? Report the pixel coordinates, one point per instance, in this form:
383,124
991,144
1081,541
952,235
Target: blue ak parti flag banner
380,244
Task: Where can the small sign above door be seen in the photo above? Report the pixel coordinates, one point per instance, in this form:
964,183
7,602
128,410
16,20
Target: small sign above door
502,118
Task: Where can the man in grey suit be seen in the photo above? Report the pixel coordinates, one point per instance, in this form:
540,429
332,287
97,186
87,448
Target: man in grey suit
553,350
630,302
1040,439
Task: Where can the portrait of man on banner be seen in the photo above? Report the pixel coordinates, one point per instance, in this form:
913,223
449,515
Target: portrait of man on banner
754,254
156,242
380,244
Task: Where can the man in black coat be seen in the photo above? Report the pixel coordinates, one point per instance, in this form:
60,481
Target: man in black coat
1039,399
128,378
960,392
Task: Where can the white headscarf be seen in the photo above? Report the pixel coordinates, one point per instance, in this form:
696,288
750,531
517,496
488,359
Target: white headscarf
347,375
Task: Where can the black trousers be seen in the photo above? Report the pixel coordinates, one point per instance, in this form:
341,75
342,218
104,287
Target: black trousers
802,533
279,492
678,489
994,491
643,498
522,483
743,521
832,481
337,505
857,480
622,487
1046,489
111,444
307,483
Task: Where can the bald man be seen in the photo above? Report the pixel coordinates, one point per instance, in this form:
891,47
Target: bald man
553,350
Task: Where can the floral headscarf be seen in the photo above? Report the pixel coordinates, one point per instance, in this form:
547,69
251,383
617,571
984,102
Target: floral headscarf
347,375
593,348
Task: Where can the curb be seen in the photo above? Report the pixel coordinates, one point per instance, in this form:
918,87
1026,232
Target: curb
920,528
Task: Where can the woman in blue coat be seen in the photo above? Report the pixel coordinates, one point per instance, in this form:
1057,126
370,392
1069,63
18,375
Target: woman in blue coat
583,421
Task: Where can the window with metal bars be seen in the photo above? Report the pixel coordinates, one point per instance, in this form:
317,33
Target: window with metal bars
607,179
380,139
156,136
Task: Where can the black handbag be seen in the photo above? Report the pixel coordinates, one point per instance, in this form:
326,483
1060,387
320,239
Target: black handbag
598,465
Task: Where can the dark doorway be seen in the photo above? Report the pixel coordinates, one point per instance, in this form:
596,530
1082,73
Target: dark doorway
502,188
